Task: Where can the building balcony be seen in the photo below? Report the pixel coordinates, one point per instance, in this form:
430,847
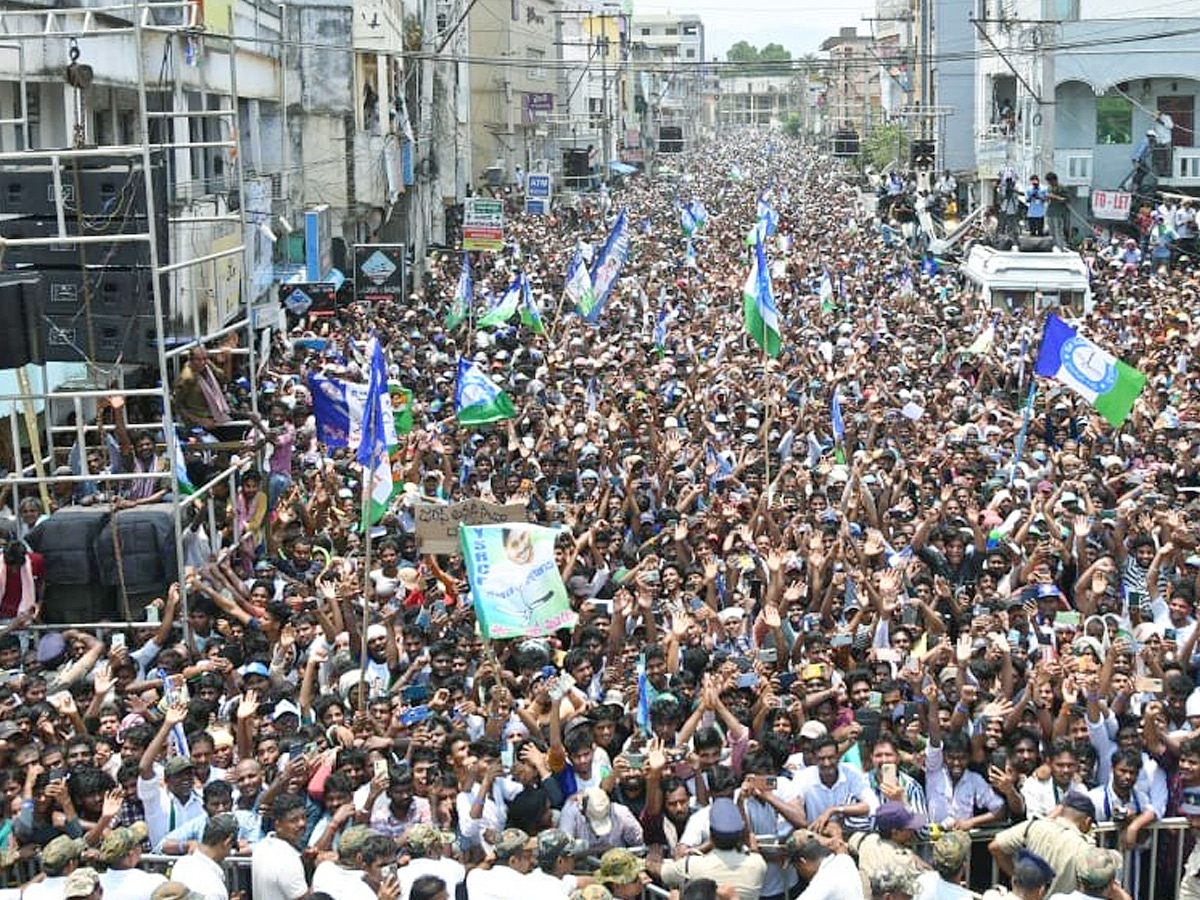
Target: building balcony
1185,168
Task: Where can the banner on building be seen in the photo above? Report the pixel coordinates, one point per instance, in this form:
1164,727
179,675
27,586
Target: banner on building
483,224
1111,205
516,587
536,107
378,272
437,523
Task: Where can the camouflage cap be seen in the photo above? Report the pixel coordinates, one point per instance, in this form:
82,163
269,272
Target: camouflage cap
619,866
950,852
81,883
554,844
591,892
512,840
352,839
121,841
175,890
894,880
178,764
800,843
60,851
424,838
1095,868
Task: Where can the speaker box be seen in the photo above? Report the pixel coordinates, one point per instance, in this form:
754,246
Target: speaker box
1029,244
575,163
114,292
104,190
92,602
22,334
128,338
67,254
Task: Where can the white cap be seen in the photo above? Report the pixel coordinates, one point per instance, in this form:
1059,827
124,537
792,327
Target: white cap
813,730
1192,707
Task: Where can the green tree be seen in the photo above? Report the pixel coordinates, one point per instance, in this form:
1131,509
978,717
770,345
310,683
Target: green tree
743,53
774,59
885,144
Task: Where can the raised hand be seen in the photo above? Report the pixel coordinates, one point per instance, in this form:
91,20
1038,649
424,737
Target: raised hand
248,705
176,713
113,800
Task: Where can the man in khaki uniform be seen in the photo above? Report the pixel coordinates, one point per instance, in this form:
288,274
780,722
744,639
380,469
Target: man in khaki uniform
890,846
726,864
1060,841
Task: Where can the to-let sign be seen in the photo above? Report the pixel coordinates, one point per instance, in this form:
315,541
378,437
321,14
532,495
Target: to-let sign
1111,205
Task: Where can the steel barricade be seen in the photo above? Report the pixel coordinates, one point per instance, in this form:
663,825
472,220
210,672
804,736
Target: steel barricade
1162,854
1165,839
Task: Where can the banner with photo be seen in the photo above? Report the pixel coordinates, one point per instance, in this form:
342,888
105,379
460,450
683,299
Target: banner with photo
515,583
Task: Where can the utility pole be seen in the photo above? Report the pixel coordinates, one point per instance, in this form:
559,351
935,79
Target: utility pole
926,25
1044,161
604,123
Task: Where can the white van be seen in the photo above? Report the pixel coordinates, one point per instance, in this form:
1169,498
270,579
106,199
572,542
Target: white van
1018,281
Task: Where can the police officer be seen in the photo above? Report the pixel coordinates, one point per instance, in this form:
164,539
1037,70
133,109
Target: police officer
727,863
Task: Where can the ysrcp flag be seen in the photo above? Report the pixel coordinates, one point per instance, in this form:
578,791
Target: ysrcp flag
608,266
515,583
338,408
578,287
1104,381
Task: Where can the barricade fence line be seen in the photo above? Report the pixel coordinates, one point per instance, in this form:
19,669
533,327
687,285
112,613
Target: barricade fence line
1150,860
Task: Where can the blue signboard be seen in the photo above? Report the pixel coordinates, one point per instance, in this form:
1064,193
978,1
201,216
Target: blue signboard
537,185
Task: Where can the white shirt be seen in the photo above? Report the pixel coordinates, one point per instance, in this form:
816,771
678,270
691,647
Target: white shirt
164,812
451,871
342,883
502,883
1042,796
202,875
49,889
695,832
836,879
948,800
931,886
547,885
130,884
276,870
851,787
771,826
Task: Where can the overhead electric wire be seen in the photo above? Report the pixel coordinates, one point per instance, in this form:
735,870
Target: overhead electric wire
799,65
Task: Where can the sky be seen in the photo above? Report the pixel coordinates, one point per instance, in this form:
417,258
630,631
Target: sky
799,25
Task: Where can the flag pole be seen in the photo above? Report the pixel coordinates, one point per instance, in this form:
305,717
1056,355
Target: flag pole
1019,449
368,477
767,409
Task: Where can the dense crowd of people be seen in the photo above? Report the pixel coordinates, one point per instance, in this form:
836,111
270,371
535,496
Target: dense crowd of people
865,667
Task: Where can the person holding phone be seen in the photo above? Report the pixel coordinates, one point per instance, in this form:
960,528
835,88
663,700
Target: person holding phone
773,808
890,783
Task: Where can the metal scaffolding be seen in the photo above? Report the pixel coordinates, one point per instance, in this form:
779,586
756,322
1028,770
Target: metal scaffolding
169,25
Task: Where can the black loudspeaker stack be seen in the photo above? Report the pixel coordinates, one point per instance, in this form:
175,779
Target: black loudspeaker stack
91,301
